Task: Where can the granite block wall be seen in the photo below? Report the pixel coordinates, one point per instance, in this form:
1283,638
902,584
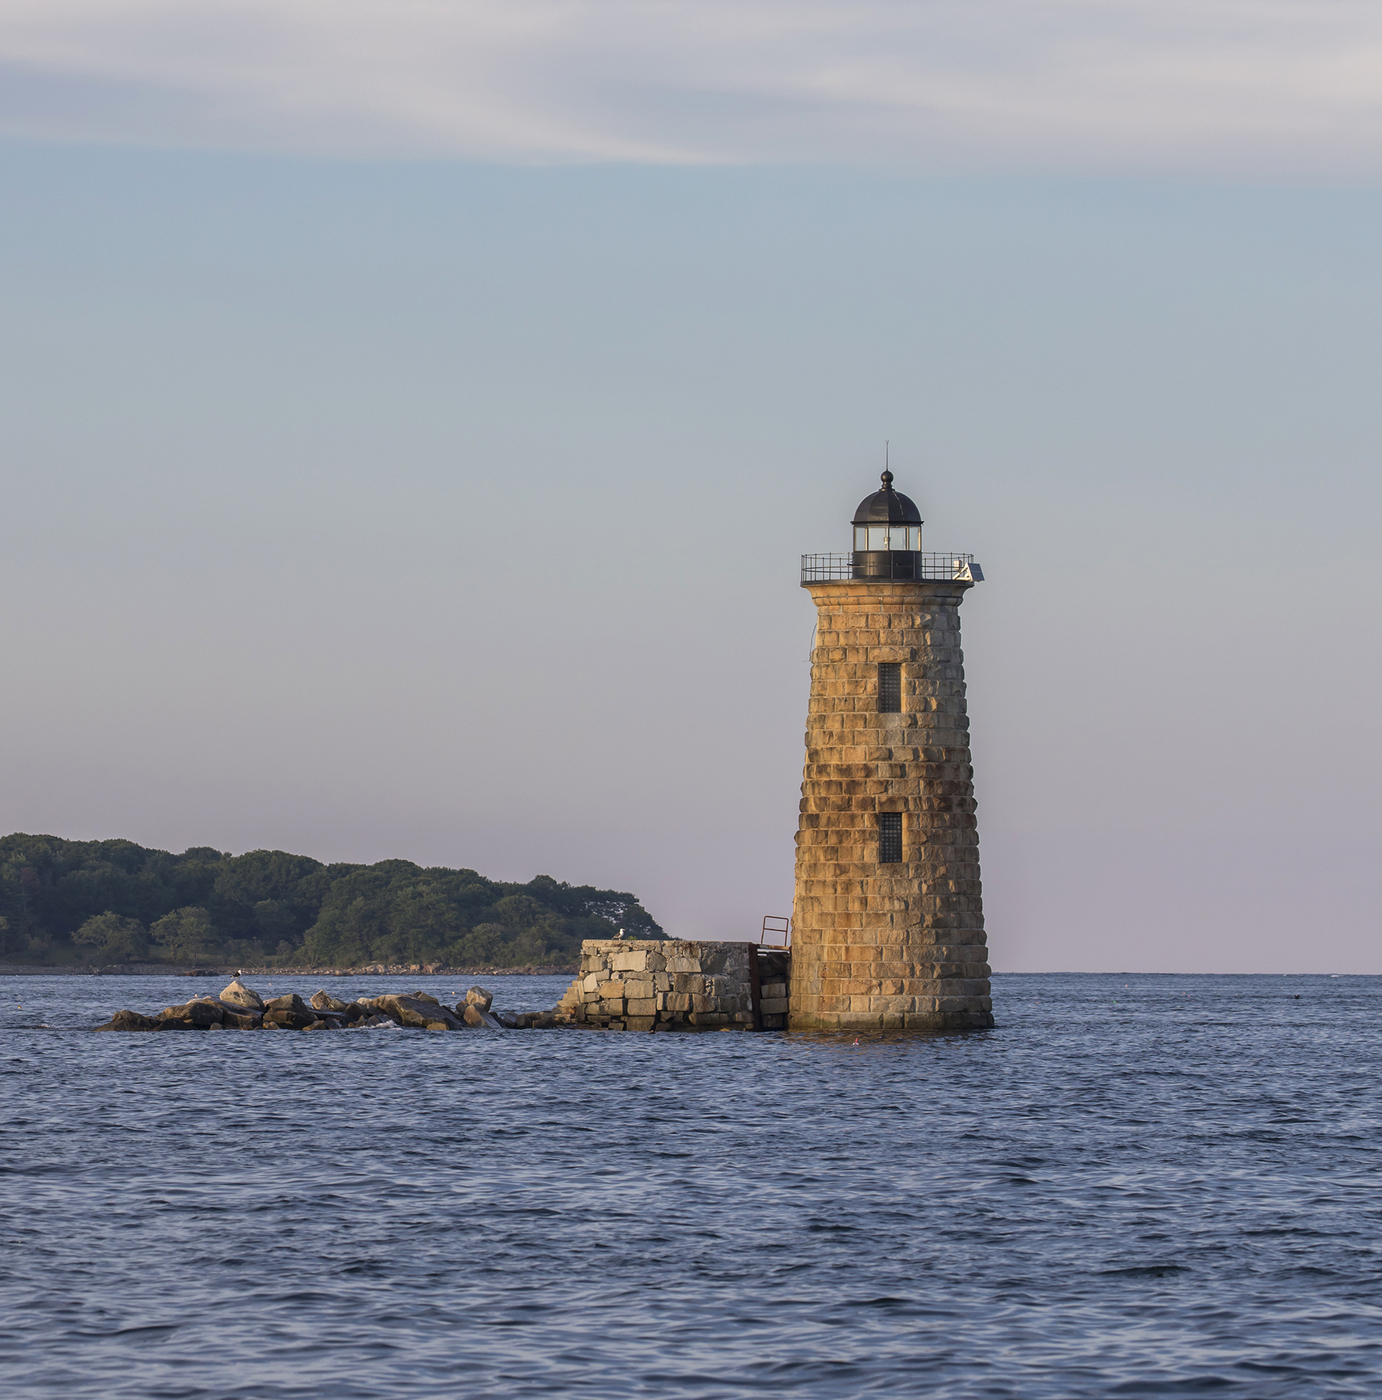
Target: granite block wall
678,985
888,945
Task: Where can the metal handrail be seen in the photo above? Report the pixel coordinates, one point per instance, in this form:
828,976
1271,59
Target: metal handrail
779,924
900,564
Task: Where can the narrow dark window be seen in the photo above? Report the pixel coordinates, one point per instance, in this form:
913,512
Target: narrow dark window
889,687
889,837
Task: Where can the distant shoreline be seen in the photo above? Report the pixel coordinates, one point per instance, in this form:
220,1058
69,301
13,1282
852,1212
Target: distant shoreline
224,970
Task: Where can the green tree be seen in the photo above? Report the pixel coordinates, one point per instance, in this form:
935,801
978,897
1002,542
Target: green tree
480,945
51,889
121,938
274,922
534,931
186,933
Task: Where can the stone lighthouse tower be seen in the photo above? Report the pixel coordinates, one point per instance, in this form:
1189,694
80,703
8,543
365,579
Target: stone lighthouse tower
888,926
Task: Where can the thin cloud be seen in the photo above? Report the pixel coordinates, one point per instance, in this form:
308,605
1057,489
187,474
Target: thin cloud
1220,85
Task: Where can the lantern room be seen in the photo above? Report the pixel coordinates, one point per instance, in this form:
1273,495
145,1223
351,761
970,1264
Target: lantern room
887,535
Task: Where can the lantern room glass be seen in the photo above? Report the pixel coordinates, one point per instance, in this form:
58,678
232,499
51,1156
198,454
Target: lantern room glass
887,537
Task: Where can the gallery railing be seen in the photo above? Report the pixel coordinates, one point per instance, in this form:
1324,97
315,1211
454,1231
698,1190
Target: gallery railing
889,564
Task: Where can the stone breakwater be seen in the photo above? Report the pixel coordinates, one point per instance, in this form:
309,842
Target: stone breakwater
677,985
633,985
239,1007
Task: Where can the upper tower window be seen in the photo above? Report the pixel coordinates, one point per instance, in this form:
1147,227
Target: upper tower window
889,687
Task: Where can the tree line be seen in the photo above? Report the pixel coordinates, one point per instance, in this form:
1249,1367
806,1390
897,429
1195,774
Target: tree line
115,901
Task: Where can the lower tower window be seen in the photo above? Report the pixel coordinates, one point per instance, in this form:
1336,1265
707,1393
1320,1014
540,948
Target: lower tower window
890,687
889,837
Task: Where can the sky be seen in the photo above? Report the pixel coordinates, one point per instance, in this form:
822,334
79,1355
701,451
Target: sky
412,416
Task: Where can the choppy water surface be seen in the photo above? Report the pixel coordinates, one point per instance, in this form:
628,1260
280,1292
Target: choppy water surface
1162,1186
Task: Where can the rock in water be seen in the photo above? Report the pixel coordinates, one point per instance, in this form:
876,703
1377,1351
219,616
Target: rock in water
478,996
480,1019
197,1014
289,1012
241,1020
207,1011
410,1011
241,995
324,1001
131,1021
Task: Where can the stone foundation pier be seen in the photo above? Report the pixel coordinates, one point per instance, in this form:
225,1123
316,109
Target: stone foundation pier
678,985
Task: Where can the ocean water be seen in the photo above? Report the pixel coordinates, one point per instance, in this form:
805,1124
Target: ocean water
1135,1186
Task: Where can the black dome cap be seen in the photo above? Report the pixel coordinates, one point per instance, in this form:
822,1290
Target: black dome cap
887,507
